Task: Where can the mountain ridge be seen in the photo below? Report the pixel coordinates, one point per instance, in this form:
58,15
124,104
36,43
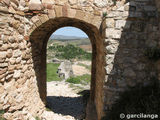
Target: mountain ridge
63,37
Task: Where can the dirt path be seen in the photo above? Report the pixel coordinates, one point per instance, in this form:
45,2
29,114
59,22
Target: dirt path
80,70
64,102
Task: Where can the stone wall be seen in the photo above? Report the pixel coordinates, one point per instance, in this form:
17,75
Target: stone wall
130,31
122,32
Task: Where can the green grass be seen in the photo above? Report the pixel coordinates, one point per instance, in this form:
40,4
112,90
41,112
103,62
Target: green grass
84,79
52,72
1,115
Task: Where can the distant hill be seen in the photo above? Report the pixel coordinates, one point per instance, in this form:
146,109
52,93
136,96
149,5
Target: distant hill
64,38
81,42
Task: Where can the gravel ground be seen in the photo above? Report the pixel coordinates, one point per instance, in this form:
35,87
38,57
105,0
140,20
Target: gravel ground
64,102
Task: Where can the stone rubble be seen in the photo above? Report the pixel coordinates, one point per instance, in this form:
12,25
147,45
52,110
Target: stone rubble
69,104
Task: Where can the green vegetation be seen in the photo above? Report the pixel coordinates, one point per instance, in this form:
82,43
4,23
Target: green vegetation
1,115
52,72
48,109
138,99
70,52
75,42
37,118
84,79
104,14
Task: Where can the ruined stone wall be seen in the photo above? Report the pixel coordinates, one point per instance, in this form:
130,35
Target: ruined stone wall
122,32
130,31
158,62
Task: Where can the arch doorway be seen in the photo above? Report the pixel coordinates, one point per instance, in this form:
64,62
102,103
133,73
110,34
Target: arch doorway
69,56
39,39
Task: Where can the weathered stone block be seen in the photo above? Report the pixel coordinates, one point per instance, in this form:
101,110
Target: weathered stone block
3,65
17,74
65,10
110,23
80,14
48,4
72,2
121,9
51,14
2,71
3,55
1,90
17,53
114,14
11,69
61,2
4,9
11,10
48,1
103,3
96,12
71,13
44,18
112,33
34,19
7,2
111,49
58,11
97,21
35,5
4,47
18,60
12,61
21,29
15,23
88,17
120,24
109,59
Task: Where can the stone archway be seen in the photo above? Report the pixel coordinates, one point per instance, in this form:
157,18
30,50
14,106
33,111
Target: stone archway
25,27
39,38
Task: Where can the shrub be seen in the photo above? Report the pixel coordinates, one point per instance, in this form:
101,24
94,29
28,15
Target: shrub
70,52
84,79
74,80
1,115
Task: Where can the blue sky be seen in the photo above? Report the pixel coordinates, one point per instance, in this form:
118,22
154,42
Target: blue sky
70,31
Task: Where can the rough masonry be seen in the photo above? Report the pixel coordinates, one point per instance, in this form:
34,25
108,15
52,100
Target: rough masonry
120,31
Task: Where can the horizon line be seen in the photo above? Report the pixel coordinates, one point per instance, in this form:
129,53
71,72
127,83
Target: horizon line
70,35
